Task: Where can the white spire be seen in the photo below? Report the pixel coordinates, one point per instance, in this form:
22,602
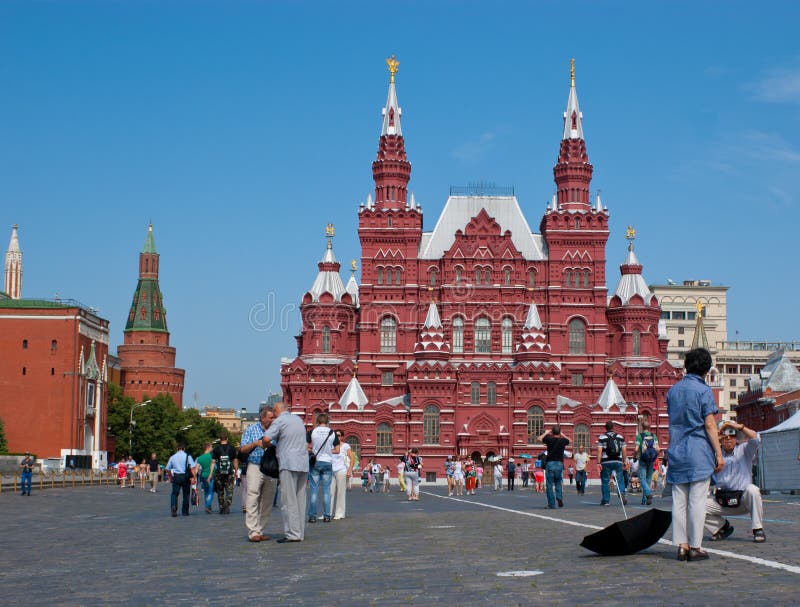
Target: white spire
13,267
353,395
352,288
432,320
554,203
533,321
413,203
329,257
611,396
391,113
573,119
328,279
369,202
598,204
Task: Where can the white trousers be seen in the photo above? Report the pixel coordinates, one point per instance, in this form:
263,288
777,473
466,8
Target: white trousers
339,493
412,482
751,502
689,512
258,500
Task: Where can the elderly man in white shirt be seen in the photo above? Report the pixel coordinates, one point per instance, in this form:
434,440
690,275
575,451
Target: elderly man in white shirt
735,492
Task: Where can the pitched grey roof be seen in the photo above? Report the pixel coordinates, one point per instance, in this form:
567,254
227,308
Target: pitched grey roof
353,394
459,210
610,396
784,376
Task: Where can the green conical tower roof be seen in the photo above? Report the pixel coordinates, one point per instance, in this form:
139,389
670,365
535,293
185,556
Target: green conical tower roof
150,242
147,311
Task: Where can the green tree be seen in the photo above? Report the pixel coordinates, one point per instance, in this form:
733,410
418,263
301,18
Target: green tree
158,426
3,441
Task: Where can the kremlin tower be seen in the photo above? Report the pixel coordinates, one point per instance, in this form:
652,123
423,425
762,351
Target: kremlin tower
148,361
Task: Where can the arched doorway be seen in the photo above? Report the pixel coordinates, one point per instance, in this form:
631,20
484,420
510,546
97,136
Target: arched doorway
488,470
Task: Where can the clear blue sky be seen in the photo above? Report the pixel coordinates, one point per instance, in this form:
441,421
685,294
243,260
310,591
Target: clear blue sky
242,128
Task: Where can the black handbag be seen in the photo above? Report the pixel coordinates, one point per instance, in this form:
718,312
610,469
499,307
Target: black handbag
728,498
269,462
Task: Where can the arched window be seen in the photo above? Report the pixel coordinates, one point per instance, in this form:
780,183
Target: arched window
487,276
475,393
430,425
483,336
581,436
636,339
355,445
380,276
398,277
388,276
390,221
458,335
383,439
507,276
326,339
586,278
388,334
433,277
24,344
577,336
535,423
53,345
531,278
567,277
577,223
491,393
478,274
507,327
458,275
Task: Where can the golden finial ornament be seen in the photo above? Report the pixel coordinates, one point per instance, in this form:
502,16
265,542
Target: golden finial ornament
354,265
393,64
699,306
630,233
572,73
329,231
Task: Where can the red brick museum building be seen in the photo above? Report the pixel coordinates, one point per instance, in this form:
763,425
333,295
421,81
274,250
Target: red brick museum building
476,336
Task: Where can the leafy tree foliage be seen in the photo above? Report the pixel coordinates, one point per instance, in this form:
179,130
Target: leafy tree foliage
3,441
158,427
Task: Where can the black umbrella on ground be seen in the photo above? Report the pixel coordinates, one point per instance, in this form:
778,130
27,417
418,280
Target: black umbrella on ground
631,535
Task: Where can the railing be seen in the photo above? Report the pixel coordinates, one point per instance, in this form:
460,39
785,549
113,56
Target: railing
59,479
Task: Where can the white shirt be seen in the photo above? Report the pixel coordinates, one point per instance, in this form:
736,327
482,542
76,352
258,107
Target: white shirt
341,460
321,445
581,459
401,467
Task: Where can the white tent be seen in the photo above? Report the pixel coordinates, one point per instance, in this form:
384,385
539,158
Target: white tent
780,445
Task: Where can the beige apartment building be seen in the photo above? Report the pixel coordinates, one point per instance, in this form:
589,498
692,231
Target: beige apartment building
229,418
735,361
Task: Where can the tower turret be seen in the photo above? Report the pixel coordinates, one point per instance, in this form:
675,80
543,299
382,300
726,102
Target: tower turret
13,267
391,170
572,172
147,359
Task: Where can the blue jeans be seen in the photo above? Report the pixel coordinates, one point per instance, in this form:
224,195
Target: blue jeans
27,477
580,481
605,475
208,490
553,473
645,476
323,471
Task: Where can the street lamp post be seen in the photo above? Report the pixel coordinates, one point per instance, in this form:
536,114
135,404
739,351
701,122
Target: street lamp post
132,423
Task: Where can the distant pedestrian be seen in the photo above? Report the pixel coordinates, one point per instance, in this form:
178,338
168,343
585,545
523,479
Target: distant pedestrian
26,477
387,479
374,475
646,453
554,465
258,490
413,471
511,469
470,476
459,476
205,478
610,460
571,473
525,473
498,475
180,467
154,469
223,472
342,464
449,470
400,477
289,434
122,472
478,475
694,453
581,460
130,464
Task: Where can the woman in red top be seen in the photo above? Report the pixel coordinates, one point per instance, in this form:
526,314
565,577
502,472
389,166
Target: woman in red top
122,473
469,472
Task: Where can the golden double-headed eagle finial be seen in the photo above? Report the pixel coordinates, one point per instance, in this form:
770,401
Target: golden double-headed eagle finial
699,306
354,265
630,233
329,231
393,64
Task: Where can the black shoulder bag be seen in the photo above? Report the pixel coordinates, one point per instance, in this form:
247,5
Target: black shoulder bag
269,462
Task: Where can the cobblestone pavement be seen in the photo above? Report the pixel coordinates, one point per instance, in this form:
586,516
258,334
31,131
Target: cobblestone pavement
111,546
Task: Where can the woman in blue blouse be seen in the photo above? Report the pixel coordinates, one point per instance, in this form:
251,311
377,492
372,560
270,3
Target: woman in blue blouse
694,453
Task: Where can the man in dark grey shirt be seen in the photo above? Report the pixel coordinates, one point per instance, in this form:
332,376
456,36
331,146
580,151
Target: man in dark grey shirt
291,446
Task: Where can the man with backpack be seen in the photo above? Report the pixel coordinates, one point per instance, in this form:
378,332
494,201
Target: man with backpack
610,458
223,469
647,453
